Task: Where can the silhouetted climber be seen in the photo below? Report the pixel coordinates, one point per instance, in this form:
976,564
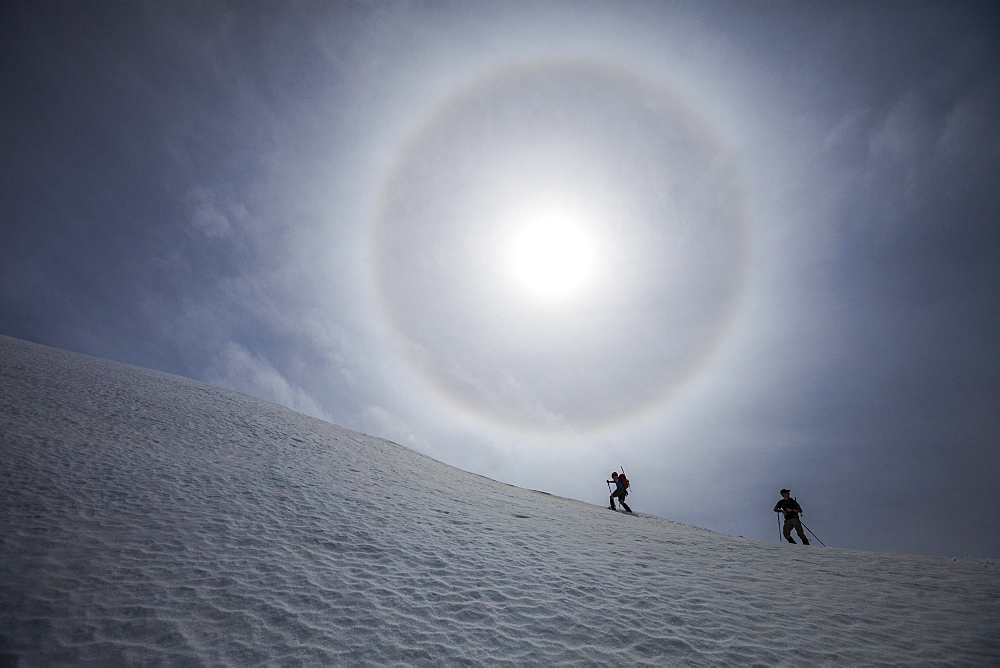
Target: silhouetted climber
620,492
791,509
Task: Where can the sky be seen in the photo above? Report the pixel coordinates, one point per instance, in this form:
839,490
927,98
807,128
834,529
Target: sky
726,247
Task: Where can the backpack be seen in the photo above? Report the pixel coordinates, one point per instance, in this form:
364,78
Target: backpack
623,480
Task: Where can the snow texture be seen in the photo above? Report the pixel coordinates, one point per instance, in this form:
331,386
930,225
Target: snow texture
154,519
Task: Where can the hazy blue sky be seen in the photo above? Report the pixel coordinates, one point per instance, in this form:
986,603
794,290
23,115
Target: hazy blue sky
732,247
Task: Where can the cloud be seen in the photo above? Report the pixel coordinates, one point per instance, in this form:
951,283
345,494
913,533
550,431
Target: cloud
904,134
212,214
239,369
380,420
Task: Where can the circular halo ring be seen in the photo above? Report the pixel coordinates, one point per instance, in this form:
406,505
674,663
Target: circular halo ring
404,190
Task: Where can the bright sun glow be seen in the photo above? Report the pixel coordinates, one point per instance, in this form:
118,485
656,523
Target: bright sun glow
551,256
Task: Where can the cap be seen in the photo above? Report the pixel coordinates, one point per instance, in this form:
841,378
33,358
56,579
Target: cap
785,491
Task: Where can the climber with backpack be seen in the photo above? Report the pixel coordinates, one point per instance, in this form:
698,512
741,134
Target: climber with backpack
621,491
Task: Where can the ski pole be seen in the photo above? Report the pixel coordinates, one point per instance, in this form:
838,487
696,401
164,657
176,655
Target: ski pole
811,531
779,529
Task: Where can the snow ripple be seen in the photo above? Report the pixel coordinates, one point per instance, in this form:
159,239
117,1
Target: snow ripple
152,519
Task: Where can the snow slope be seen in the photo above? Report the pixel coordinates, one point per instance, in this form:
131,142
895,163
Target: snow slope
150,518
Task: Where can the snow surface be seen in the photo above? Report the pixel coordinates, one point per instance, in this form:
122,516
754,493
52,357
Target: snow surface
154,519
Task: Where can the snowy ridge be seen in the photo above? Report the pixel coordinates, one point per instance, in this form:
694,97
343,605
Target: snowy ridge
150,518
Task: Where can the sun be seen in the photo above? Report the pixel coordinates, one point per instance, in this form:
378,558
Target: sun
551,255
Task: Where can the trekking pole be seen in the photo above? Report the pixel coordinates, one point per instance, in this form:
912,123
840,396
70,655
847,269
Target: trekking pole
779,529
811,531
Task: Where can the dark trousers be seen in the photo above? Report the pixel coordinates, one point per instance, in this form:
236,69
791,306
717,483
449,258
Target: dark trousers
620,494
794,523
